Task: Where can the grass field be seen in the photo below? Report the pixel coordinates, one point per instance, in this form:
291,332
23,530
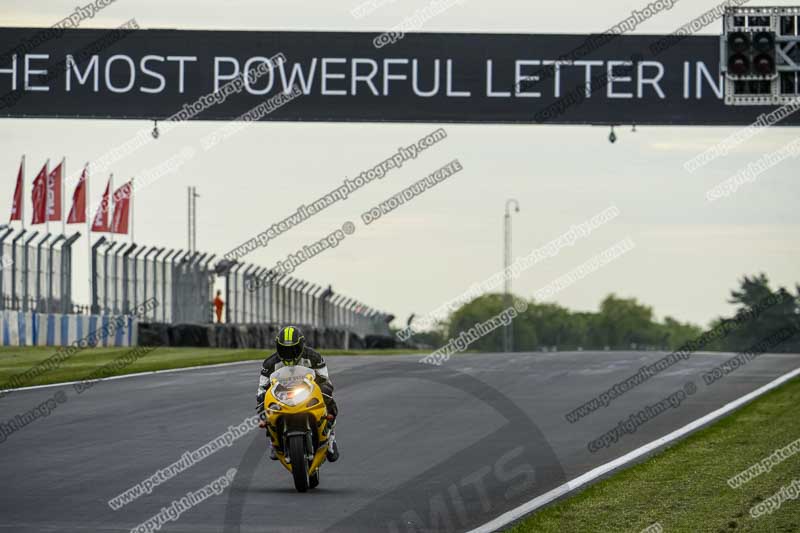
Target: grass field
83,363
685,489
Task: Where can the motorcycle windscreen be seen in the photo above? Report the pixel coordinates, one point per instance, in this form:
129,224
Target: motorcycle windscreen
289,375
293,384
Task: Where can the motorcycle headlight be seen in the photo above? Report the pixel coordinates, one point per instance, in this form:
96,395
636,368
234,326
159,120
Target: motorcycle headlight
293,395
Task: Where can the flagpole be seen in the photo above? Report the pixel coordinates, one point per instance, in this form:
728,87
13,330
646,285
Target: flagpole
130,194
109,212
86,198
63,200
22,200
46,199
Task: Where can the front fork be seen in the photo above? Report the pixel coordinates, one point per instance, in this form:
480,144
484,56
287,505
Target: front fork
282,433
306,433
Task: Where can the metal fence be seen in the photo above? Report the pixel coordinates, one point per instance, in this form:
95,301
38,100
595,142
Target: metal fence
36,276
36,273
253,295
124,275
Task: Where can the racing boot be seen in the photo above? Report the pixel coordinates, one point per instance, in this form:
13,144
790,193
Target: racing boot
333,448
272,454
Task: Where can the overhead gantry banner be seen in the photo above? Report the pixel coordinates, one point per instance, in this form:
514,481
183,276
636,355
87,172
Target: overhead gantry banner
329,76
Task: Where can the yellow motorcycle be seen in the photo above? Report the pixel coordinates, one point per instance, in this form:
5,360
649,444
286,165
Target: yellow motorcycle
297,423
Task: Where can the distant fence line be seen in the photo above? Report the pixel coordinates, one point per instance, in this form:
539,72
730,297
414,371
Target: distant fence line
36,277
125,275
36,274
287,300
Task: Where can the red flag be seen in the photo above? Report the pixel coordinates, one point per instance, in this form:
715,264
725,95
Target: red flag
100,223
78,211
122,204
54,192
16,207
39,196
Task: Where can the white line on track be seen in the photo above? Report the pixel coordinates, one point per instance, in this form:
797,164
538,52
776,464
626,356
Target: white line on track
534,504
148,373
137,374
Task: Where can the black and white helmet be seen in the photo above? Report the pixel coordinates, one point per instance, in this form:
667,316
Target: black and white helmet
290,344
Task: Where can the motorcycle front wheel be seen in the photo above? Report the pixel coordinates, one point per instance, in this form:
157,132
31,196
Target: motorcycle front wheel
297,454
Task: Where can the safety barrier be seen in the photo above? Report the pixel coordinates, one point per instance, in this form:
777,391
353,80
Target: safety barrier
45,329
253,336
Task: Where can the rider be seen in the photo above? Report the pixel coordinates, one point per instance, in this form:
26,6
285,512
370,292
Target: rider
291,349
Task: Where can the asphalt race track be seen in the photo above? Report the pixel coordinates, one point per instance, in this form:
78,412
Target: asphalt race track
423,447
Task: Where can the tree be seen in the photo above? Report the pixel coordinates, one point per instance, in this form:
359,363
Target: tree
754,295
623,323
482,309
558,326
676,334
626,322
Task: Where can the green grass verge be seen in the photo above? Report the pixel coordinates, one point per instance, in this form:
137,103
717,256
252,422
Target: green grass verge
85,362
685,487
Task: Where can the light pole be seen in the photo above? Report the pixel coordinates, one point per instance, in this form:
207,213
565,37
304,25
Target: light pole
508,332
192,223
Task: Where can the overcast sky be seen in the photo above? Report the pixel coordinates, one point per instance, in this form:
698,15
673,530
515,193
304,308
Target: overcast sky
688,253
